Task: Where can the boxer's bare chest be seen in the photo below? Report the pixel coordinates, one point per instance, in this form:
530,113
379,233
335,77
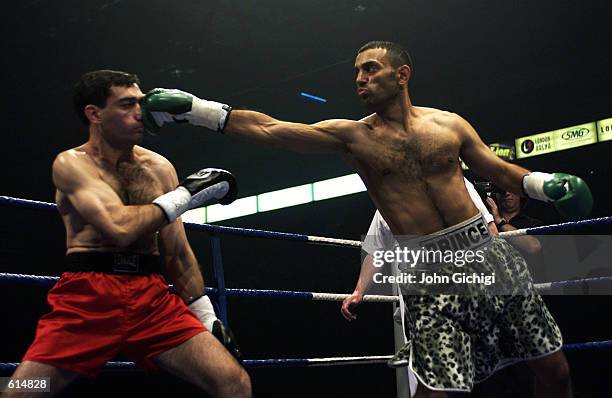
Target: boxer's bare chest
134,182
426,150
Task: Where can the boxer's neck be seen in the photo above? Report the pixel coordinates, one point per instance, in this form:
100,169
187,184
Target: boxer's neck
399,111
108,150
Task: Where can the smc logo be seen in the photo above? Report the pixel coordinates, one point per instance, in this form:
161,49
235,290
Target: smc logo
574,134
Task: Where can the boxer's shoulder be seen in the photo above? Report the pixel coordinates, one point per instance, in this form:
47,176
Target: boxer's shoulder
150,158
159,167
74,160
438,116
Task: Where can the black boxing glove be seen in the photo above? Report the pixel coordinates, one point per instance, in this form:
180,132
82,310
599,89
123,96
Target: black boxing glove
197,189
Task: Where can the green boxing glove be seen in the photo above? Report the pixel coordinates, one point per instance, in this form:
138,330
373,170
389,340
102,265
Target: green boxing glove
570,194
160,106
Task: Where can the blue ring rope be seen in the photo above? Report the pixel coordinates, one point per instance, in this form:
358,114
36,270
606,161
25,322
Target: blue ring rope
49,281
256,233
248,232
569,226
304,362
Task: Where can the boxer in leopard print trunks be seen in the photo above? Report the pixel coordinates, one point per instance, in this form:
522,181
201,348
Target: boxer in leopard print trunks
408,157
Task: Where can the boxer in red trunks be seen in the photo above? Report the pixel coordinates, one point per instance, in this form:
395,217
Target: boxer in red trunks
116,199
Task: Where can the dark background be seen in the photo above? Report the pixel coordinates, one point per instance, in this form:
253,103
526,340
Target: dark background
510,68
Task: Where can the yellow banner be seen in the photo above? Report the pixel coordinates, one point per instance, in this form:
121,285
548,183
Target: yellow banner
557,140
504,151
572,137
604,129
534,145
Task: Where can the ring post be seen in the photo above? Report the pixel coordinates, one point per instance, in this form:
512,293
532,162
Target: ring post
215,242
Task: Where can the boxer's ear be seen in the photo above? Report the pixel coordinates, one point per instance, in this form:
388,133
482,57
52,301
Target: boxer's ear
403,75
92,113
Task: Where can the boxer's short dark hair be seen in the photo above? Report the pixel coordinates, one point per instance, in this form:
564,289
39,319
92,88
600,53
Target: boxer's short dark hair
397,54
95,87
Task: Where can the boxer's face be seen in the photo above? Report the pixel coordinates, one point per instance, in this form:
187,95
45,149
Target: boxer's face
121,117
376,78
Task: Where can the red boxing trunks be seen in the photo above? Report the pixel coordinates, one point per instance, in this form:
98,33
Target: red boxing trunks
95,316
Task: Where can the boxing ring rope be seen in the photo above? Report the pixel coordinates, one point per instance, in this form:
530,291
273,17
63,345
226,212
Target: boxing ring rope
213,229
569,226
221,292
257,233
318,362
48,281
259,363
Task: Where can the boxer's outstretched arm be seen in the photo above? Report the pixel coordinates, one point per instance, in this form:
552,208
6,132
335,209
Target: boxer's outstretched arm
325,136
161,106
98,204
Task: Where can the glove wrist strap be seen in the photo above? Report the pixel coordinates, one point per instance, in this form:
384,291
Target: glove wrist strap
209,114
533,185
203,309
174,203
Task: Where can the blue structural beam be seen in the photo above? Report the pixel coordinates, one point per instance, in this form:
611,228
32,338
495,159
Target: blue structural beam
313,97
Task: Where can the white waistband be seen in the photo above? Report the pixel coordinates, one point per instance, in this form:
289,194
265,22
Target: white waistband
467,235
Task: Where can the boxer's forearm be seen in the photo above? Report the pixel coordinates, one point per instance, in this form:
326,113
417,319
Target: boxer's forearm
322,137
259,127
184,273
125,225
507,176
366,275
251,125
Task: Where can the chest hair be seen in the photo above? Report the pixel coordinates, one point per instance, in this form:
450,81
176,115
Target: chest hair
418,156
135,184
